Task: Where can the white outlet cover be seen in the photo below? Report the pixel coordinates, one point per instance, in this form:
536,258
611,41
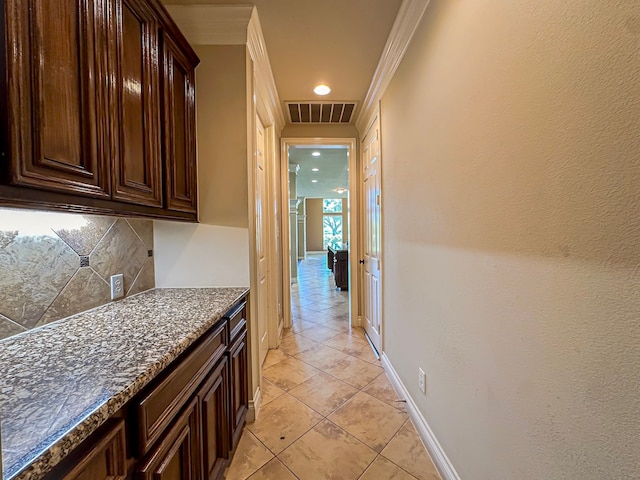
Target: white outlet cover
422,381
117,286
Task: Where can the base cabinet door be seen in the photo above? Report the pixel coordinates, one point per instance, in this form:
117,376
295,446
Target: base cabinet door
213,406
239,387
177,456
106,460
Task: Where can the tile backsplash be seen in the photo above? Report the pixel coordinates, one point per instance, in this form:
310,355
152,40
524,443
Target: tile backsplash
53,265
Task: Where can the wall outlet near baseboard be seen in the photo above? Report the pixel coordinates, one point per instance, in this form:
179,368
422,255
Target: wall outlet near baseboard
117,286
422,381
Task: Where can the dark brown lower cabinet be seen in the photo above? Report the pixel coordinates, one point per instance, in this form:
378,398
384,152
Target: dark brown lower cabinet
213,403
176,457
184,425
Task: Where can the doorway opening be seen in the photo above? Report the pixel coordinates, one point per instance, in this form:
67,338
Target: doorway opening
321,232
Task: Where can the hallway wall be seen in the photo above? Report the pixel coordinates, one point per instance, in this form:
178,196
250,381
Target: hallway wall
515,126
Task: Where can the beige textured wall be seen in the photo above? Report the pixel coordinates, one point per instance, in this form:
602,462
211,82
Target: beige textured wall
312,131
214,252
314,224
222,135
515,126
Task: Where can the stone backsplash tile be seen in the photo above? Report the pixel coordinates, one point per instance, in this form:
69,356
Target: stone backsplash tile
84,291
84,236
107,259
9,328
144,230
41,278
146,278
35,268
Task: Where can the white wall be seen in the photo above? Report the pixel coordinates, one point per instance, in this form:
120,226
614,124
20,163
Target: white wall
515,127
190,255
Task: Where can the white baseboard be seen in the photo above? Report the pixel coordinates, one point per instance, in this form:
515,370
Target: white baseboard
440,460
254,406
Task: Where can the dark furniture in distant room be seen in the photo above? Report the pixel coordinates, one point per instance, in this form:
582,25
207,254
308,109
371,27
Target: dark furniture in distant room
338,263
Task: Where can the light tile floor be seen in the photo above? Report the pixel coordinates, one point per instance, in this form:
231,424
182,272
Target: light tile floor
328,409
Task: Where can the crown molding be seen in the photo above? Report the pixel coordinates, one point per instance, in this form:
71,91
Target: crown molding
212,24
404,26
267,98
234,25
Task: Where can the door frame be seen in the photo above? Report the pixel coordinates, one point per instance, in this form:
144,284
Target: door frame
354,216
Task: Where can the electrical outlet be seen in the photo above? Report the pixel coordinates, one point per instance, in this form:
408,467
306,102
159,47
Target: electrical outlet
117,286
422,381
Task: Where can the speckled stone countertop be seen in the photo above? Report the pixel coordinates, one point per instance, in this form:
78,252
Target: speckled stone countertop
59,383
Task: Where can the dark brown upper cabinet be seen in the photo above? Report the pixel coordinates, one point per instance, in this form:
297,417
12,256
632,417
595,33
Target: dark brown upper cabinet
98,108
136,103
179,108
56,101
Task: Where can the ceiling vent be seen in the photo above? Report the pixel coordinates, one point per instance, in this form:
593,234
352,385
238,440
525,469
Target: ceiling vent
320,112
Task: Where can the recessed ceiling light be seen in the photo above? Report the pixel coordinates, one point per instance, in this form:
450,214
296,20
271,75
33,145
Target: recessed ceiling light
315,154
314,181
315,169
322,90
340,190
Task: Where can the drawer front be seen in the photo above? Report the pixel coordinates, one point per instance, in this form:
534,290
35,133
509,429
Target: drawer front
156,410
237,320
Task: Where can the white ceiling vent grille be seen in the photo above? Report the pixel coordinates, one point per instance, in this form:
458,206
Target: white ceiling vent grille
320,112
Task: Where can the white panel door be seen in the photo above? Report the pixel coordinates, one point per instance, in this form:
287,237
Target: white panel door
372,264
261,241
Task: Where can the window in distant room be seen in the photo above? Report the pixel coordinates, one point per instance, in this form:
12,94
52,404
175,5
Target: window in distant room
332,222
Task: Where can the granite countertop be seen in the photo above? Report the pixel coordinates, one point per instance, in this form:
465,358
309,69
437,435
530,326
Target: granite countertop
60,382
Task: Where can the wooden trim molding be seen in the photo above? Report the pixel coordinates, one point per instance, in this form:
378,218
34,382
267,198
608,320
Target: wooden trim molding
235,25
404,26
267,98
254,406
440,459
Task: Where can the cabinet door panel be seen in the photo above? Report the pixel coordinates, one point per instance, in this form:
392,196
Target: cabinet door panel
106,460
179,128
135,130
177,456
57,101
213,403
239,388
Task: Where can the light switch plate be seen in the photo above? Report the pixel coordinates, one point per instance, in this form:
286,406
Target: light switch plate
117,286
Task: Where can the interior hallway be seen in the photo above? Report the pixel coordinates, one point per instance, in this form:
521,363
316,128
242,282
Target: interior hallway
328,409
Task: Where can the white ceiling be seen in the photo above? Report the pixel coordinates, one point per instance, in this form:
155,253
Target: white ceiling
337,42
333,171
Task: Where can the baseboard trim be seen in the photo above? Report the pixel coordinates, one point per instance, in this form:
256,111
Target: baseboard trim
440,459
254,406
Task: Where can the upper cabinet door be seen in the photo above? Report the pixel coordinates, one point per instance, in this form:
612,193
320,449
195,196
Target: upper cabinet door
56,99
135,99
179,128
